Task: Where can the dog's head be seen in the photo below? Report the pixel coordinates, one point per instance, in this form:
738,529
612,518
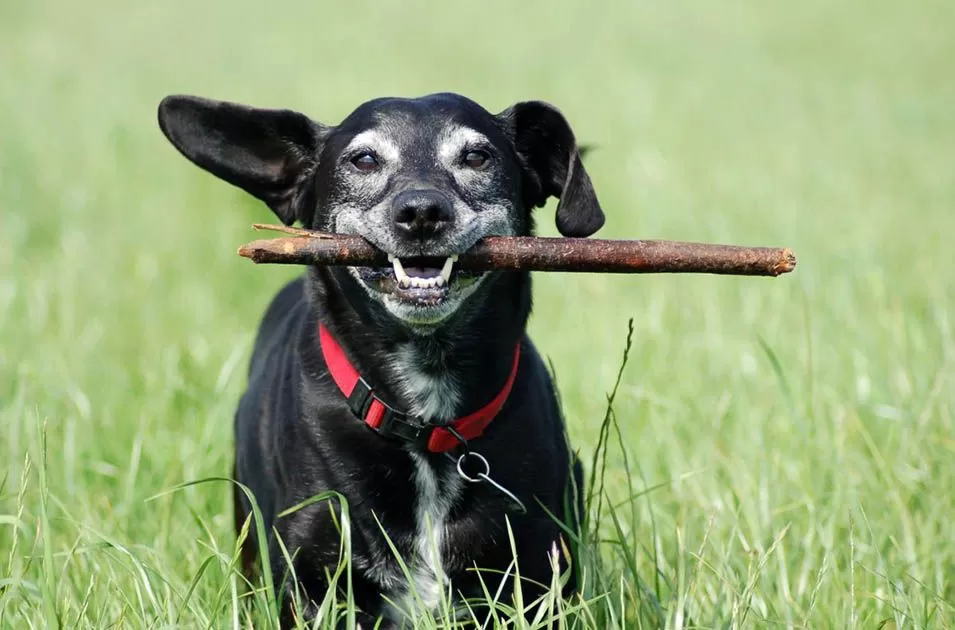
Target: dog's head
422,179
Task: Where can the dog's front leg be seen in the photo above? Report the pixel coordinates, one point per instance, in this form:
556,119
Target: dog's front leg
302,606
302,587
297,599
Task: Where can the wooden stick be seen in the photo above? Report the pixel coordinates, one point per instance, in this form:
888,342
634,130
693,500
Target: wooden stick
580,255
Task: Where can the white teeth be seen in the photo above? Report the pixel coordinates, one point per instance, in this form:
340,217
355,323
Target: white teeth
446,269
405,281
423,283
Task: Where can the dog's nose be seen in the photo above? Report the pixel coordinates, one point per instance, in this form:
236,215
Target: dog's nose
422,213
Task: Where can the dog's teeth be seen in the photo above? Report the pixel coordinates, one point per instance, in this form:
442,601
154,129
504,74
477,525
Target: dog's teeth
399,269
405,281
446,269
424,283
391,258
400,275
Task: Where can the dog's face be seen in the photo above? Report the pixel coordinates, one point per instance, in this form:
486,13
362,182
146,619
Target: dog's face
421,179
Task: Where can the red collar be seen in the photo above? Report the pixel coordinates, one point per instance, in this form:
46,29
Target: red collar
391,423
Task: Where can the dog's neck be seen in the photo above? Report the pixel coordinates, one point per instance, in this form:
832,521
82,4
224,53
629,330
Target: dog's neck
437,375
421,371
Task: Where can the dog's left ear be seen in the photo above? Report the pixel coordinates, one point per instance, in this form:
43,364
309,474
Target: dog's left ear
548,149
269,153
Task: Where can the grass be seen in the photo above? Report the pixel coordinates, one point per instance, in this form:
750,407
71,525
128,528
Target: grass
780,453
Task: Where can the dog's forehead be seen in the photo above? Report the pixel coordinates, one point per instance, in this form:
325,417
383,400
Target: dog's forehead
434,119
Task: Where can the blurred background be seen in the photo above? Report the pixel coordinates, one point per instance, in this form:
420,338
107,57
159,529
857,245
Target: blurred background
797,433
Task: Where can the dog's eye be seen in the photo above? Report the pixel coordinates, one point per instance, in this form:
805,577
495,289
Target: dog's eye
476,159
365,162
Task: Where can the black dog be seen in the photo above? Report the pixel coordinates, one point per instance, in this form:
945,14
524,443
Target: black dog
374,382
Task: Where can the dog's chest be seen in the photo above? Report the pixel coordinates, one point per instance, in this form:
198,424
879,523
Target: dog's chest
425,553
433,392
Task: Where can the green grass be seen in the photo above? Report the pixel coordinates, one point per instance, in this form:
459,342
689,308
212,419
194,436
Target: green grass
781,452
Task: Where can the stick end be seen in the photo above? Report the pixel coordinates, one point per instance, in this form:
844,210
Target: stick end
246,252
786,264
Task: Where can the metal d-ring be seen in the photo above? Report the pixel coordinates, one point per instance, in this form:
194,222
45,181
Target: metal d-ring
485,477
464,475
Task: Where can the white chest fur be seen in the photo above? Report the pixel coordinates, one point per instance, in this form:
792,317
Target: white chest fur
435,496
432,396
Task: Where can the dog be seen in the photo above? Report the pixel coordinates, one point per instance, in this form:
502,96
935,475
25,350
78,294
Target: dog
411,391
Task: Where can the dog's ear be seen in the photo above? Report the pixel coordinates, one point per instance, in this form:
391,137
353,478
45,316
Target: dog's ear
548,149
585,149
269,153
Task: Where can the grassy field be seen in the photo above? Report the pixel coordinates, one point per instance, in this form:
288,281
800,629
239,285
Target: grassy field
785,452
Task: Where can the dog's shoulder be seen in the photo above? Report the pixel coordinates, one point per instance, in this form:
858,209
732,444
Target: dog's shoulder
286,308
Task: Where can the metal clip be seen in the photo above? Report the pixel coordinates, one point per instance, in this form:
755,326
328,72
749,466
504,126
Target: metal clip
485,477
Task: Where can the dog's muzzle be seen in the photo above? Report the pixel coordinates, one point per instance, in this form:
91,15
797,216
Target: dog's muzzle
422,220
419,280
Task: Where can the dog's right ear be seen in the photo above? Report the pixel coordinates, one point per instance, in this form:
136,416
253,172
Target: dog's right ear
269,153
552,163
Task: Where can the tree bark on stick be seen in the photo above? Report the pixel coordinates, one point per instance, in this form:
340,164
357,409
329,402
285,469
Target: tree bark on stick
529,253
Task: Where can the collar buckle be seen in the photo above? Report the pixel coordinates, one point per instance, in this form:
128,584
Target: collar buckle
397,425
387,421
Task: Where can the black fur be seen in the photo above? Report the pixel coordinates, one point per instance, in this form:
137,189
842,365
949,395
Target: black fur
295,436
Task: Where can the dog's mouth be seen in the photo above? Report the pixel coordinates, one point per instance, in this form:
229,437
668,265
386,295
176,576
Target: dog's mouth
419,280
